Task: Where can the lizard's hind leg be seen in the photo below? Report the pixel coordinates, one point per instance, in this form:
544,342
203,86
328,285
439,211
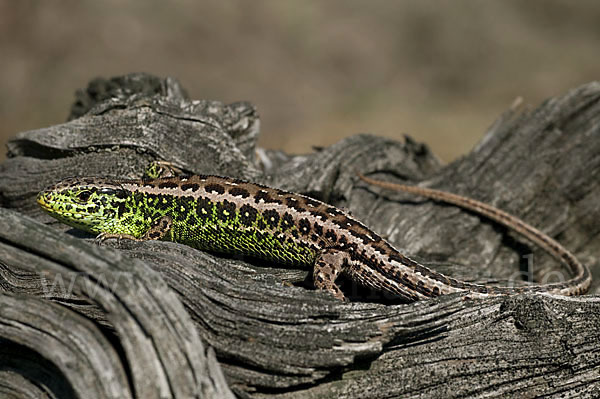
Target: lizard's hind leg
160,169
328,267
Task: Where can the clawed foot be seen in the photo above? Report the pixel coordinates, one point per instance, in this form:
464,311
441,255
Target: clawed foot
100,238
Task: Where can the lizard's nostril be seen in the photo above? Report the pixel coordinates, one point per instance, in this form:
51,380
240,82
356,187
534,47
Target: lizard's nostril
44,197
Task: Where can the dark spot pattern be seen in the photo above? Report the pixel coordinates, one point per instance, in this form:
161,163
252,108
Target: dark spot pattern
248,215
287,221
304,226
263,195
420,269
271,217
203,208
294,204
163,203
168,184
331,236
239,192
311,202
345,223
365,239
190,186
318,228
404,280
121,208
225,210
214,188
184,205
319,214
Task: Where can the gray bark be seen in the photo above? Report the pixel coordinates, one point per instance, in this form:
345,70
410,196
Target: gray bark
158,319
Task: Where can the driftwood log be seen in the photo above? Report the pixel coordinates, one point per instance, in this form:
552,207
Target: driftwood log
162,320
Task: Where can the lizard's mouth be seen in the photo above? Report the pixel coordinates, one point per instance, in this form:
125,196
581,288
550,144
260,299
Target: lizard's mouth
49,205
42,201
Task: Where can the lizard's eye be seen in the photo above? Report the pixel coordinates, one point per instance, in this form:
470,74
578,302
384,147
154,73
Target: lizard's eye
83,196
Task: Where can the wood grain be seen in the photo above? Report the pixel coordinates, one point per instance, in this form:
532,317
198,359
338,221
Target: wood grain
158,319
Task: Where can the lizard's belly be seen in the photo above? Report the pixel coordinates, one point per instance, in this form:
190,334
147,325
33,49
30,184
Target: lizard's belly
234,239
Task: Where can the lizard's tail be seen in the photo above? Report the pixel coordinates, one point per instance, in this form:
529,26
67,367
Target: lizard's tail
577,285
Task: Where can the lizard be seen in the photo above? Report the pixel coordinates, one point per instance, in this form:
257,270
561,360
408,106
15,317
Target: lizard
228,215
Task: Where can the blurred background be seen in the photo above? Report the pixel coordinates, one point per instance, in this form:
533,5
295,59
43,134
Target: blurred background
440,71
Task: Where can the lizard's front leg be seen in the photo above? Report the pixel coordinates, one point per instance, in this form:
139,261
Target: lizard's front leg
158,229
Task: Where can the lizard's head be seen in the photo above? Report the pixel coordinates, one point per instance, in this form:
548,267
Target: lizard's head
89,204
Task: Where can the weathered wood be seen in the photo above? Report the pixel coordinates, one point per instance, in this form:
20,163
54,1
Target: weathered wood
273,339
162,353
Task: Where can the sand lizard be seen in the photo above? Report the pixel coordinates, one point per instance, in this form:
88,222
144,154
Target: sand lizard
228,215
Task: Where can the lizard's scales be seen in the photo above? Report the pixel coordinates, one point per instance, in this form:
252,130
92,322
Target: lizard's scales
232,216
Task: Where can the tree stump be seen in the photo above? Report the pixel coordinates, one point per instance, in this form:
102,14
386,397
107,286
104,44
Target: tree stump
162,320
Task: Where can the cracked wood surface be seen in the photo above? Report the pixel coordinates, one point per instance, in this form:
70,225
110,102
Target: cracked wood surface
158,319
